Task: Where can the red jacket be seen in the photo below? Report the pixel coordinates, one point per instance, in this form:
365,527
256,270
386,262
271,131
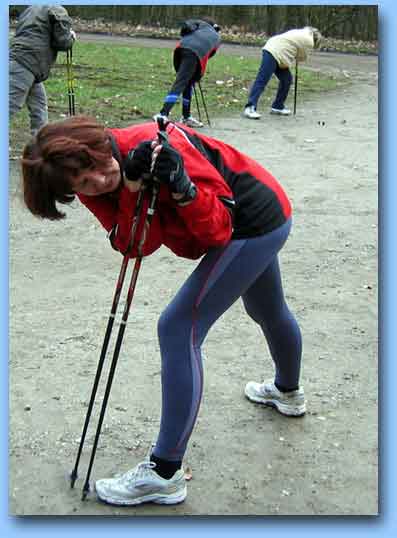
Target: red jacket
206,222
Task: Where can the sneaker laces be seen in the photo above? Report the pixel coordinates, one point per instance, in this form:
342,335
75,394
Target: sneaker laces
143,469
140,472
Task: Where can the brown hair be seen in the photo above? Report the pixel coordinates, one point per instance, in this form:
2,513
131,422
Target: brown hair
58,153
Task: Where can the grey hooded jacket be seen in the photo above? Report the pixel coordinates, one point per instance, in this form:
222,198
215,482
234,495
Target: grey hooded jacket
203,41
41,32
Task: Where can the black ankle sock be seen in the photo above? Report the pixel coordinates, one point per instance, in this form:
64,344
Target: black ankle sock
284,389
165,468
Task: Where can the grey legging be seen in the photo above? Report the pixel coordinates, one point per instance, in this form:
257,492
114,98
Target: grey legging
246,268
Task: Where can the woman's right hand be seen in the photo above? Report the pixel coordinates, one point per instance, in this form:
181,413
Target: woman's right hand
138,162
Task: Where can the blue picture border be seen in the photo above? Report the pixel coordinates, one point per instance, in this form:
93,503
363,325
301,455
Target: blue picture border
386,523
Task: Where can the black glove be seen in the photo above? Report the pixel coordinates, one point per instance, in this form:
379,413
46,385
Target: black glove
169,169
138,161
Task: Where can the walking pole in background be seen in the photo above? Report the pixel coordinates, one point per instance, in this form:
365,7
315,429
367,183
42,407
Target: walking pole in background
197,103
295,85
204,105
70,79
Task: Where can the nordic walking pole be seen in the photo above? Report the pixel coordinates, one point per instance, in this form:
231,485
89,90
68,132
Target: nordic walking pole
295,85
70,79
116,299
204,105
138,261
197,103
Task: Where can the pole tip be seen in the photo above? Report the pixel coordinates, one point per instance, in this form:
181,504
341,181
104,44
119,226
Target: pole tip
73,477
86,491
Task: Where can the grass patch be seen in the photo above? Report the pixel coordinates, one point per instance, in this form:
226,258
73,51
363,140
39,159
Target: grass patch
120,85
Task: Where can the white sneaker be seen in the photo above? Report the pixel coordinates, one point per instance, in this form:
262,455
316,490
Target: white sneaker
251,113
142,484
280,111
287,403
192,122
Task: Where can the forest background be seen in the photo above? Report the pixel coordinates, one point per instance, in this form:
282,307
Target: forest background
350,28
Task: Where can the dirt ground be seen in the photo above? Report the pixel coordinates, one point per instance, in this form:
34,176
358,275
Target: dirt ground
244,459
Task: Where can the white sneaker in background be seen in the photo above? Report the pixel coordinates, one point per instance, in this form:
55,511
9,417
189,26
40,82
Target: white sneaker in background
251,113
192,122
280,111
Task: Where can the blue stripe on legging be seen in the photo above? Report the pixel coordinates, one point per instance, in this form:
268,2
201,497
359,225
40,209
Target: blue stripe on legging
171,98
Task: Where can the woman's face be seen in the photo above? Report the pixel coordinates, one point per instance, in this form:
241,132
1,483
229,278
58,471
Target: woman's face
96,182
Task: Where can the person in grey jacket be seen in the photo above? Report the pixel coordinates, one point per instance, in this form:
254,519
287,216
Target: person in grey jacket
199,41
42,31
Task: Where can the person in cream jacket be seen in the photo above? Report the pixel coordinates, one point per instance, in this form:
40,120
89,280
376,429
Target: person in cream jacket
279,54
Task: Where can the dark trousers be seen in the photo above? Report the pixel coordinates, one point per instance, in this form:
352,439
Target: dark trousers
270,67
186,76
24,90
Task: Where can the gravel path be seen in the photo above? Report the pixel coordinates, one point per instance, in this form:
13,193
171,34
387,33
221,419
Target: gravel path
245,460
